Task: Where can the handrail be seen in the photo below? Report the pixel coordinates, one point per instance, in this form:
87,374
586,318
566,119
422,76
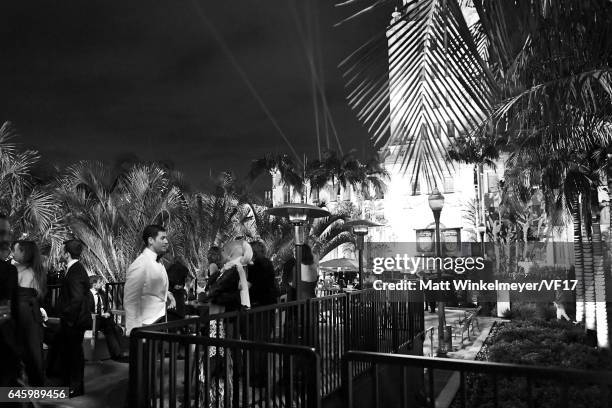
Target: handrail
602,377
147,371
218,342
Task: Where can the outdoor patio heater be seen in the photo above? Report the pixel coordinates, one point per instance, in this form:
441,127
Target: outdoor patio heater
360,228
298,214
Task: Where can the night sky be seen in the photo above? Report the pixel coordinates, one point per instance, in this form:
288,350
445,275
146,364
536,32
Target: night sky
102,79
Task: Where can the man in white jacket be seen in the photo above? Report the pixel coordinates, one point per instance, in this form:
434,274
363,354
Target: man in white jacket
146,294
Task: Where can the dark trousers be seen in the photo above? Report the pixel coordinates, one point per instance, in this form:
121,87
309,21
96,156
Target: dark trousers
112,334
30,340
52,339
73,360
9,354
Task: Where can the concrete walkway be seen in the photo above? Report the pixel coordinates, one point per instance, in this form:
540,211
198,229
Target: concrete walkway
465,350
106,385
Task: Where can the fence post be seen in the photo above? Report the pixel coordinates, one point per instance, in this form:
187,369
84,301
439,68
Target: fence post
314,396
135,379
347,382
394,326
348,324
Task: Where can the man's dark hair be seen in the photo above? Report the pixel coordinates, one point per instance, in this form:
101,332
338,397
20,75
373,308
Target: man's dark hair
151,231
93,279
5,245
3,216
74,247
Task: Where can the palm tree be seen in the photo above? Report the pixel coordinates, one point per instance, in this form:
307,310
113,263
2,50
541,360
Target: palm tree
290,174
30,204
108,213
551,94
322,234
431,78
347,171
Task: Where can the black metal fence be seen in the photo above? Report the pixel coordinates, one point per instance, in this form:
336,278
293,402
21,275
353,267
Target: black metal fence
168,369
363,320
114,292
413,381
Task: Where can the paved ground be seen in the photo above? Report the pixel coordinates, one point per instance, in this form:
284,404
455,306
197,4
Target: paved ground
105,386
447,382
461,350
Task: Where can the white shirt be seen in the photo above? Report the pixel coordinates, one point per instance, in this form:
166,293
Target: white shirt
70,263
95,293
146,291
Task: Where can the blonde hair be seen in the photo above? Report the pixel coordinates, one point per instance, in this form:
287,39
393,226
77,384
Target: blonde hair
241,249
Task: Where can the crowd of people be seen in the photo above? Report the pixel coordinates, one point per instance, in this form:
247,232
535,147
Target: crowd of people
239,275
22,288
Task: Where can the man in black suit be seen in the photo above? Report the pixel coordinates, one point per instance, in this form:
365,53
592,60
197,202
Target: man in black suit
9,368
177,277
75,318
98,305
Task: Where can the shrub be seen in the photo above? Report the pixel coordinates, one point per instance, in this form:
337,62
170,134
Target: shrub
542,343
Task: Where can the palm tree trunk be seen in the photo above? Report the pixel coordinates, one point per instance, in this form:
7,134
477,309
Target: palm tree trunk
578,261
588,272
599,276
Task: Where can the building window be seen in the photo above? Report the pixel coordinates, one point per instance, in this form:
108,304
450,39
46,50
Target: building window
314,193
286,195
450,129
492,182
449,184
437,129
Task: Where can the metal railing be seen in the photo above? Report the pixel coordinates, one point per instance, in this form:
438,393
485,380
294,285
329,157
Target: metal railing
479,383
114,292
330,325
170,370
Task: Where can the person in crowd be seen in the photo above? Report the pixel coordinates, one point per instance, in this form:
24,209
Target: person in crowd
263,290
75,318
177,280
32,282
215,262
5,251
430,298
146,295
309,275
98,305
227,286
227,290
9,352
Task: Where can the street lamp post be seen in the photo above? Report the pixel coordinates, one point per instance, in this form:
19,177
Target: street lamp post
481,231
360,228
436,203
298,214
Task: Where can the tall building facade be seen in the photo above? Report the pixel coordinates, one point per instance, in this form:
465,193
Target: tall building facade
419,86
